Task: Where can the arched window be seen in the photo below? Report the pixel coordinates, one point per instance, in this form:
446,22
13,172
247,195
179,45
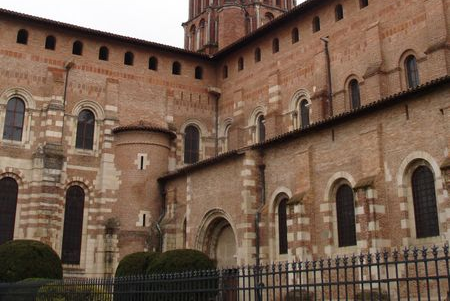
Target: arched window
261,128
73,226
363,3
77,48
198,72
424,198
268,17
304,113
412,72
191,144
50,43
201,33
8,204
355,97
226,142
275,45
282,226
241,64
316,24
345,210
103,53
22,37
14,119
176,68
85,130
225,71
153,63
295,35
258,54
339,12
128,58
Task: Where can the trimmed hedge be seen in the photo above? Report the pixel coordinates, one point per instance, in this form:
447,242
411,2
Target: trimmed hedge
135,264
72,292
23,259
180,261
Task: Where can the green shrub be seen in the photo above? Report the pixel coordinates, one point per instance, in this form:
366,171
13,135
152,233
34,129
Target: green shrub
299,295
180,261
23,259
57,291
135,264
25,290
384,296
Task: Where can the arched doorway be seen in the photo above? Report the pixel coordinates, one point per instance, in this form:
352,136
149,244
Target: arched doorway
226,248
218,241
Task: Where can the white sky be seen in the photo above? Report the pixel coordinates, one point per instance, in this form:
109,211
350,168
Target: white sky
152,20
157,21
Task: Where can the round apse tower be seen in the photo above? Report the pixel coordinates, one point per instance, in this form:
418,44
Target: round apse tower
141,156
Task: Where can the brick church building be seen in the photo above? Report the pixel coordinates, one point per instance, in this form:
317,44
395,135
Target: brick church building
281,132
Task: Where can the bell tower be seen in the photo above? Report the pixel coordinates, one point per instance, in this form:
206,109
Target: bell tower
215,24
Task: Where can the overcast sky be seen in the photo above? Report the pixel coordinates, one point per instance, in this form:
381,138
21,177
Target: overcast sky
152,20
157,21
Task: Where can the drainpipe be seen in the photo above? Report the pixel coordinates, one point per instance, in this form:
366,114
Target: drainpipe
258,280
163,193
68,65
326,40
216,92
216,143
262,176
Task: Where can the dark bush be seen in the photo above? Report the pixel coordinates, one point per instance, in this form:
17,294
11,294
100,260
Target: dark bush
180,261
25,290
72,292
135,264
23,259
375,295
299,295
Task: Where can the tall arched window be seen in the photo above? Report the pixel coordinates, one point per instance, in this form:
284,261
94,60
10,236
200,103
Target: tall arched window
257,55
191,144
22,37
295,35
103,53
282,226
128,58
345,210
50,43
201,32
73,225
424,198
85,130
153,63
316,24
304,113
355,97
412,72
8,204
260,128
14,119
339,12
77,48
176,68
275,45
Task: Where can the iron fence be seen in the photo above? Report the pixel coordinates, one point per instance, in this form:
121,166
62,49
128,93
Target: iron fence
409,274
